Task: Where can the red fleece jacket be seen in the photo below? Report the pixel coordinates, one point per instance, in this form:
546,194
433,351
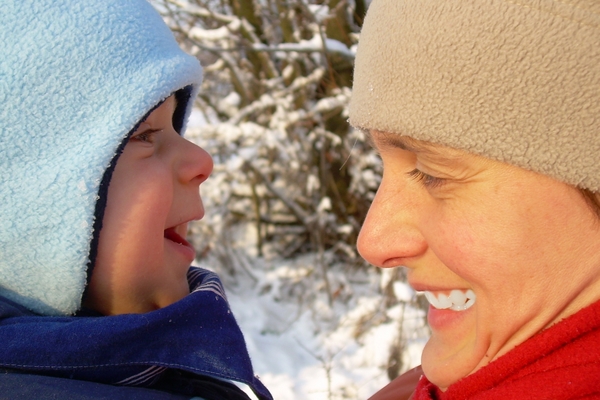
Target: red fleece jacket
561,362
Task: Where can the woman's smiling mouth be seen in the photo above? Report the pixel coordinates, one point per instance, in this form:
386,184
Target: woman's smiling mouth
449,308
457,300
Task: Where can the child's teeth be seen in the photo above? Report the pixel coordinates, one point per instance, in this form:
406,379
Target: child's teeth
456,301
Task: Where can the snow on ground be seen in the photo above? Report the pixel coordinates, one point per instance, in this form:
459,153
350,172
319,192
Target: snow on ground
302,346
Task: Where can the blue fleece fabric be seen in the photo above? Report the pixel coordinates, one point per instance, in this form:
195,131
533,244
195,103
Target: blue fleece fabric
75,77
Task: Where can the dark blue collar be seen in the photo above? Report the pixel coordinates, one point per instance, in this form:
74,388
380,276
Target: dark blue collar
197,334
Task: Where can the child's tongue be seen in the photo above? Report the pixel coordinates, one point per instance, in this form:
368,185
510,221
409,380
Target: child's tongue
173,236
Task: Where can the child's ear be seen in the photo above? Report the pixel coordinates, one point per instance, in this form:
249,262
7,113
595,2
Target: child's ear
182,99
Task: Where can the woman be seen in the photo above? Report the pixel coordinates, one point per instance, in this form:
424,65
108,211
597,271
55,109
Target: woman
485,115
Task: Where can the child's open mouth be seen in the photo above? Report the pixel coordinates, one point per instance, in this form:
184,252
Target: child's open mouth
173,236
177,244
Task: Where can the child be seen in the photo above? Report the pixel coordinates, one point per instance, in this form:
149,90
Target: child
98,186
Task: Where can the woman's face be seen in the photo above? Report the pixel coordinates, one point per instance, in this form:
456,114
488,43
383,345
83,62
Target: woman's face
508,251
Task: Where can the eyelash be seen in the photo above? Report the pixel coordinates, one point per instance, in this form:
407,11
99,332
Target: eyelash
145,137
427,180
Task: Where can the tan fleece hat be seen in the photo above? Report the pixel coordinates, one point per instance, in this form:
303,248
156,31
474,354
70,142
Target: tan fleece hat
515,81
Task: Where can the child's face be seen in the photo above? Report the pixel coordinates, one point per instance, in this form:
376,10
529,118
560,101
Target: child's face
142,256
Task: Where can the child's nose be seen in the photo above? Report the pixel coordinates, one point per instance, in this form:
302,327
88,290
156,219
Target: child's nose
390,235
196,164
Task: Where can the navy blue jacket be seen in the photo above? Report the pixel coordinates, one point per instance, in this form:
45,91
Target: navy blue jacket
190,348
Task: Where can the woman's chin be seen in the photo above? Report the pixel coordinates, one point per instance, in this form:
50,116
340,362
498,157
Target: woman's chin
444,365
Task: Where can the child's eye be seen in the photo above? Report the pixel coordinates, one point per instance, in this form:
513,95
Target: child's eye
427,180
144,137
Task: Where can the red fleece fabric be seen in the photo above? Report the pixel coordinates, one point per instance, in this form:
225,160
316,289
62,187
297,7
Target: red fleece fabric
561,362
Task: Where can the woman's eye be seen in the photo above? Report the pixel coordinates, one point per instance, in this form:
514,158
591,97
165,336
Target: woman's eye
427,180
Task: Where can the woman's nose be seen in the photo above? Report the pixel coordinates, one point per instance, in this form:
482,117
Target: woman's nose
390,235
195,164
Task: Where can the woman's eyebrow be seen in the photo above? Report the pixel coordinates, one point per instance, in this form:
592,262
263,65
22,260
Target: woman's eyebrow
378,138
441,155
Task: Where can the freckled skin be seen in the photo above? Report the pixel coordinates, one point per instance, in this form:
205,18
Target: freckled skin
508,234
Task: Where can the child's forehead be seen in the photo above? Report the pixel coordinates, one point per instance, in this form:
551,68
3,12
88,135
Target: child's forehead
167,107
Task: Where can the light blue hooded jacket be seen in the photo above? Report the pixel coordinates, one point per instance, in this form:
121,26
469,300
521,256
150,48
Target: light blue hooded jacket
76,76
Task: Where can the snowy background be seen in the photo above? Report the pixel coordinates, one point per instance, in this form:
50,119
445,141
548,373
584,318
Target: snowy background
291,186
302,345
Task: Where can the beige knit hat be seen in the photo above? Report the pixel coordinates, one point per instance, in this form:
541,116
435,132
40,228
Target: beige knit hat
516,81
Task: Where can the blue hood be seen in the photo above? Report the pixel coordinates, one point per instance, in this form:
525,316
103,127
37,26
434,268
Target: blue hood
76,76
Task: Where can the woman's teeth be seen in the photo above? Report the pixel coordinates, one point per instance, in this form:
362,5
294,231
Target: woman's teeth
458,300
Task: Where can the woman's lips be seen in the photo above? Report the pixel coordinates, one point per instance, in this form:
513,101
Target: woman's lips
442,319
448,307
456,300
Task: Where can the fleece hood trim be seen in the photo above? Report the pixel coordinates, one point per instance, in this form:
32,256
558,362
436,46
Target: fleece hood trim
76,76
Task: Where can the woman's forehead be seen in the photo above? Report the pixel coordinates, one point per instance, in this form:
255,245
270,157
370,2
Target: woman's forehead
379,140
